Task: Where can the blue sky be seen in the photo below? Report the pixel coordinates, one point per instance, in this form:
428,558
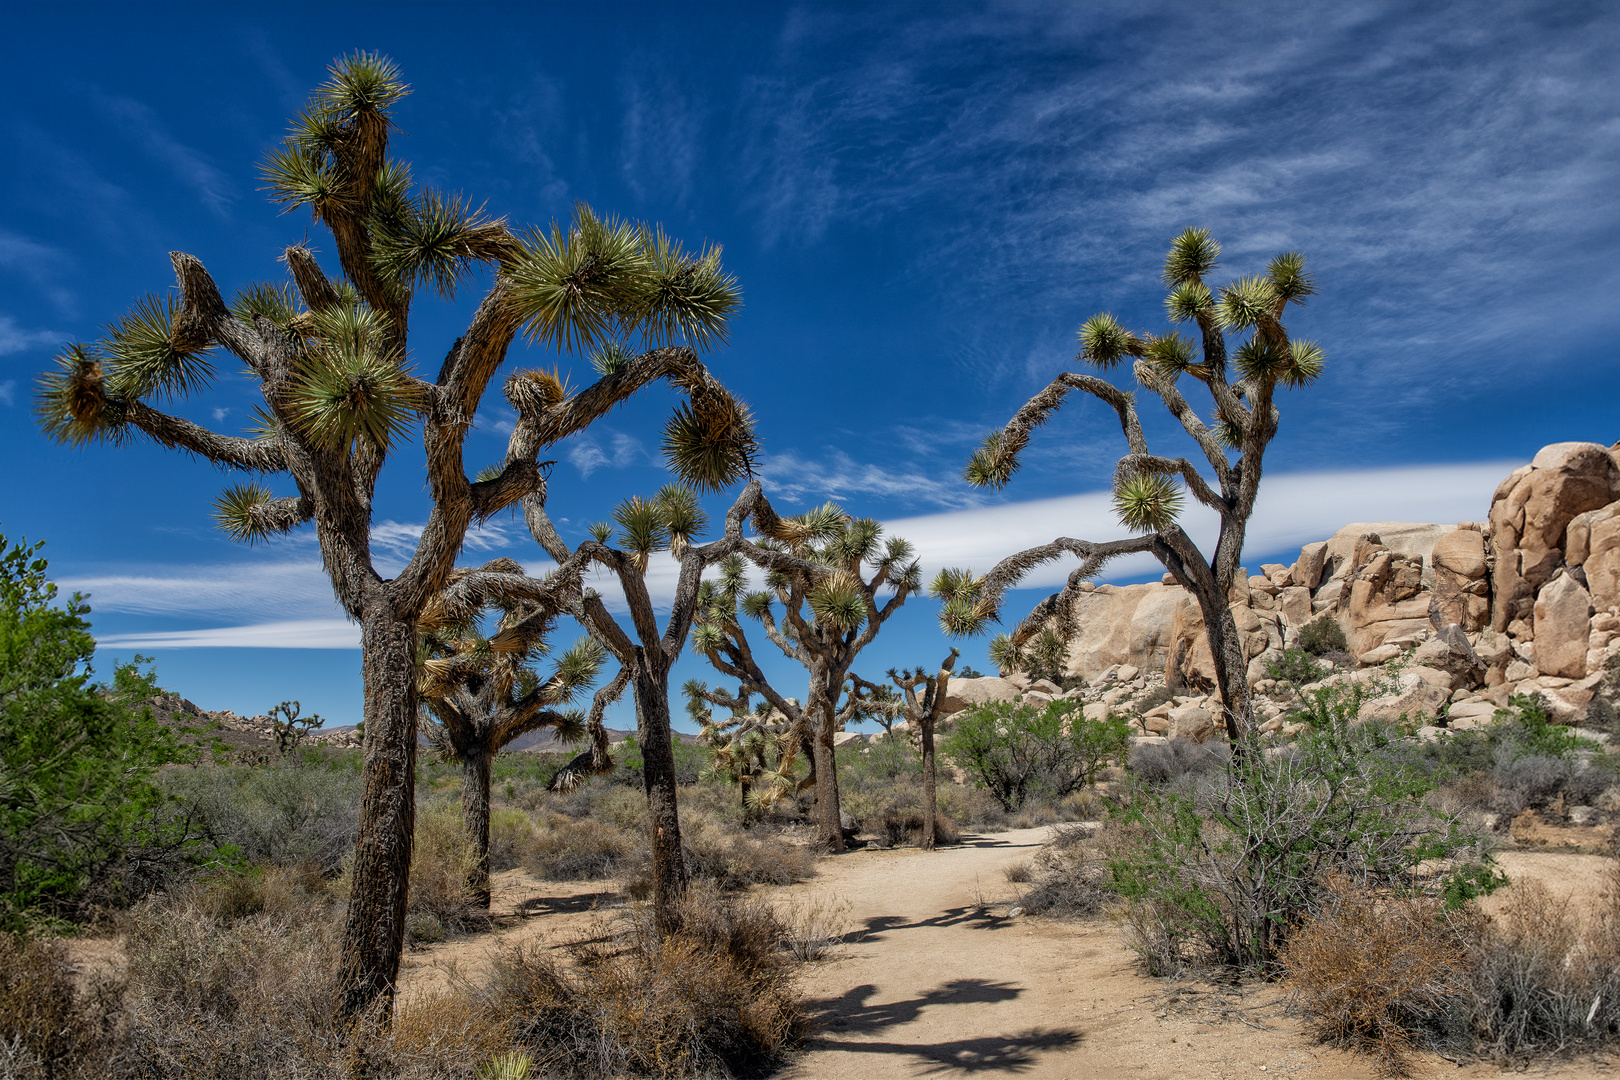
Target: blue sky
922,203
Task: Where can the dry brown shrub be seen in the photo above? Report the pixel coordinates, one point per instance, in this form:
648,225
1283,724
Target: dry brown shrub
1548,981
570,850
49,1030
1384,974
715,997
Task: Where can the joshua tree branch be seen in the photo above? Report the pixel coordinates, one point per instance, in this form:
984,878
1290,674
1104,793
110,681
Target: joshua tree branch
249,455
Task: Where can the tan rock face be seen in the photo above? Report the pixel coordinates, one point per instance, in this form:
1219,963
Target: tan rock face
1127,624
1414,698
1563,615
1386,598
1461,590
962,693
1531,514
1307,570
1191,722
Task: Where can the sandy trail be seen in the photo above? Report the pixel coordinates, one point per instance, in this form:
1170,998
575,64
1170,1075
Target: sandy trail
938,981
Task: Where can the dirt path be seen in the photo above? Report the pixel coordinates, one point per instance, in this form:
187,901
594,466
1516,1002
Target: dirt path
941,982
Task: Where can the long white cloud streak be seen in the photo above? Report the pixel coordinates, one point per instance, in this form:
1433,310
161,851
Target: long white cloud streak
289,634
1294,509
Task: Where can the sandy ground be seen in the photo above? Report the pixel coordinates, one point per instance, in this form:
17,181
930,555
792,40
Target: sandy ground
937,979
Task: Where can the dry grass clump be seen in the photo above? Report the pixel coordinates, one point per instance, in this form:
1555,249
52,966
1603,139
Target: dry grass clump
1383,974
48,1030
903,825
727,858
566,849
1067,878
714,997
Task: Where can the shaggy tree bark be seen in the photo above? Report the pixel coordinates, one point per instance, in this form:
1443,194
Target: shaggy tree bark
830,612
331,361
923,713
1145,494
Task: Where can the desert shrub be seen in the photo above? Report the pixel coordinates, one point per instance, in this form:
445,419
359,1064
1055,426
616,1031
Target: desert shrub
1297,668
714,997
1322,635
48,1029
564,849
1220,876
813,925
1385,974
1067,879
612,804
249,998
971,808
1151,699
1546,982
1166,763
279,813
511,838
441,865
1016,751
901,823
284,891
82,821
726,858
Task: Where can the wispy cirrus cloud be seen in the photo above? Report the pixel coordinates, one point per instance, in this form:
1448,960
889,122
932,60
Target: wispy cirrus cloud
15,339
836,475
618,451
190,166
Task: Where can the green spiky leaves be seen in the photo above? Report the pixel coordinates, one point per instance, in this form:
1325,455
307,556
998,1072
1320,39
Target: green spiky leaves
75,405
1187,301
684,516
1305,363
838,600
1104,341
611,358
239,512
962,611
274,302
1290,282
1192,255
145,358
1147,502
709,442
345,390
434,240
1246,303
1169,355
602,279
991,465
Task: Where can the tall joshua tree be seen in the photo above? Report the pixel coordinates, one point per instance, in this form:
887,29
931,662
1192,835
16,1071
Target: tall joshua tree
1147,496
330,355
669,521
482,691
923,712
830,612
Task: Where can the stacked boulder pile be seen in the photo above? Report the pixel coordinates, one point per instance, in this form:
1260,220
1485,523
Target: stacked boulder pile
1449,619
249,733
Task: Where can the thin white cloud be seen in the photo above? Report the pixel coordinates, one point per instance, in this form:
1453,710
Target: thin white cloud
1294,509
219,413
190,167
622,451
14,339
254,588
289,634
838,476
8,392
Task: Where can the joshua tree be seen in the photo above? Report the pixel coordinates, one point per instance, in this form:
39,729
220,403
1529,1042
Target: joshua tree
290,728
923,714
484,691
1146,494
755,750
829,614
331,358
670,521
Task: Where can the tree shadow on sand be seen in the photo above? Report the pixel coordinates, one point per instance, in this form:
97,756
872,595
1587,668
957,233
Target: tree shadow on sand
854,1014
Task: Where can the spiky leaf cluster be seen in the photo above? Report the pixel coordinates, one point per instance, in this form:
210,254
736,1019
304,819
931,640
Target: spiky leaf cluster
346,389
601,280
669,521
1147,502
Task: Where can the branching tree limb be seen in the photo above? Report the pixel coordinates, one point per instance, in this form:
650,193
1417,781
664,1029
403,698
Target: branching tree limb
1146,495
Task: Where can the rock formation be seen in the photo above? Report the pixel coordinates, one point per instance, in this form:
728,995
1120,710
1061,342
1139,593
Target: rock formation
1528,600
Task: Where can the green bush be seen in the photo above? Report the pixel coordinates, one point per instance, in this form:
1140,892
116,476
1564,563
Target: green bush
1296,668
280,814
1322,634
81,819
1017,751
1221,875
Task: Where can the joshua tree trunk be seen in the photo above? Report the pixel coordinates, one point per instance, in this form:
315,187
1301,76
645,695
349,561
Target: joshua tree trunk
475,768
930,813
1231,667
374,931
829,814
658,775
